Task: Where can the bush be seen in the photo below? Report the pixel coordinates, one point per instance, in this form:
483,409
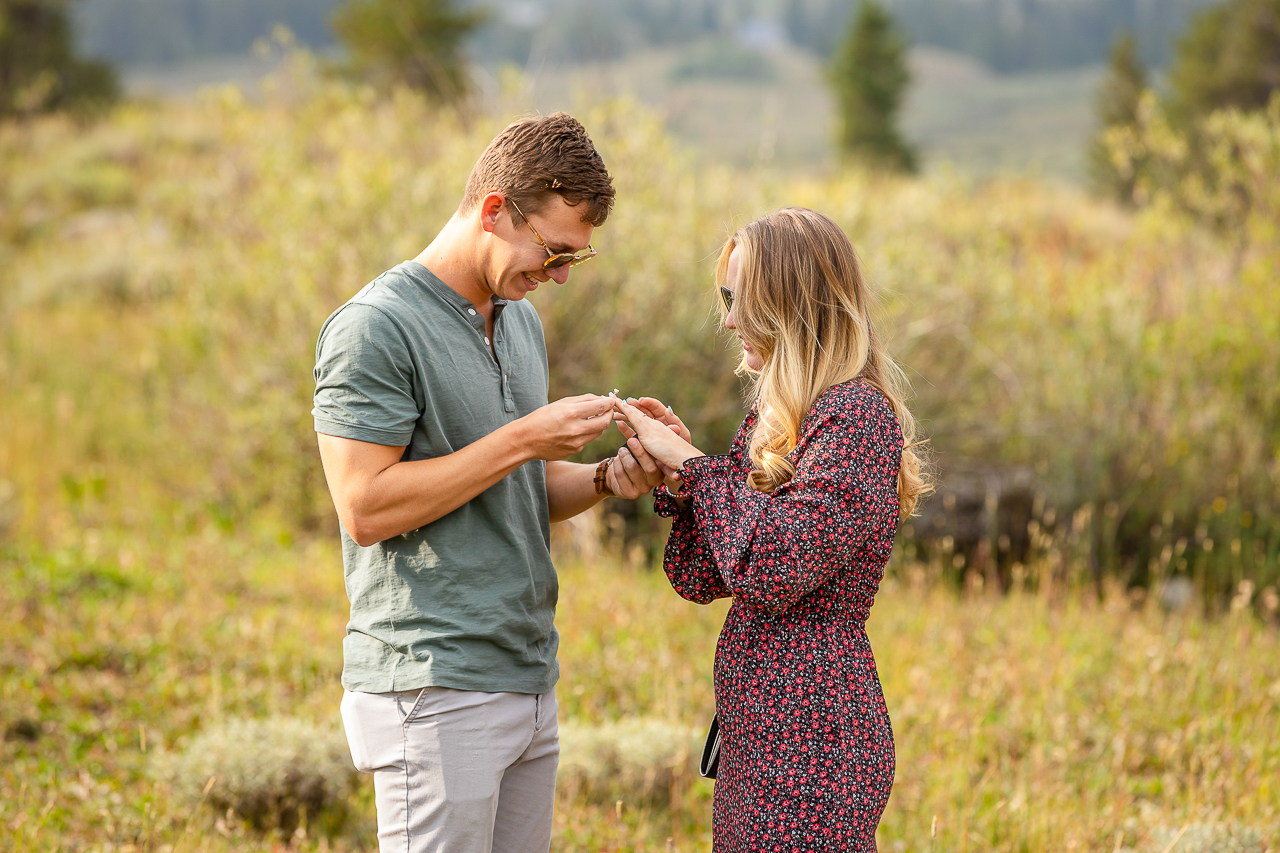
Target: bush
274,774
640,761
1206,838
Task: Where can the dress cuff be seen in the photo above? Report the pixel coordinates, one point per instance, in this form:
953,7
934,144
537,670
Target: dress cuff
665,504
694,472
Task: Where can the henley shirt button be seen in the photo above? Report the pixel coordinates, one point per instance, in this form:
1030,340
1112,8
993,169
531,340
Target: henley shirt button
471,311
486,340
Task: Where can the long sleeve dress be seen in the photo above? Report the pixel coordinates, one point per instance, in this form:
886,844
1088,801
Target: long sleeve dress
807,757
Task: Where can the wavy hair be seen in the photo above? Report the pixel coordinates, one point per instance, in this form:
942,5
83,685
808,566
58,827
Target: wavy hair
802,305
535,158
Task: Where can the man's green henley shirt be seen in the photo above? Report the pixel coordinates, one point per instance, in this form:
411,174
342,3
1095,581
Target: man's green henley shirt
467,601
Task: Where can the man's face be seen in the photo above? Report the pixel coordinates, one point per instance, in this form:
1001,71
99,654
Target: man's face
519,262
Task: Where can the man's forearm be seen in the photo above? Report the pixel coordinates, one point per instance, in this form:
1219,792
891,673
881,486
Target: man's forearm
404,496
570,489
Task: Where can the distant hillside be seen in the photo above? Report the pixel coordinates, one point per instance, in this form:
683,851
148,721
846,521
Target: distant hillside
1010,35
134,32
1004,35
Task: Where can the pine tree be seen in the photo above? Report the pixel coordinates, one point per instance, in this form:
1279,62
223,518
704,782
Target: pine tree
417,43
39,70
1116,104
870,78
1229,57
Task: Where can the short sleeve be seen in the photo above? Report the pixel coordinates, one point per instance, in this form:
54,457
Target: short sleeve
364,378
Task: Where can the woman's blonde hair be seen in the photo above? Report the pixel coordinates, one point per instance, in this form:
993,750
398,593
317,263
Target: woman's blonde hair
802,305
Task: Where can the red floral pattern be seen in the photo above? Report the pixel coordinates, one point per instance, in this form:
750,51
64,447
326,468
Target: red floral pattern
807,755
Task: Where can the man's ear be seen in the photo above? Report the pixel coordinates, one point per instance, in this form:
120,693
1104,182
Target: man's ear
491,207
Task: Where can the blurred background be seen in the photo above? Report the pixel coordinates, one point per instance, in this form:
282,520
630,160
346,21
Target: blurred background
997,84
1070,210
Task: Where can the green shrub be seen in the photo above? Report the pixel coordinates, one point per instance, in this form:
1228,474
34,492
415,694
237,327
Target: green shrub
274,774
638,761
1206,838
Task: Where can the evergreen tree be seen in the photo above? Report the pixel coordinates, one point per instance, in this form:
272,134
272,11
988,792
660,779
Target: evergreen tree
1116,104
417,43
870,77
39,70
1229,57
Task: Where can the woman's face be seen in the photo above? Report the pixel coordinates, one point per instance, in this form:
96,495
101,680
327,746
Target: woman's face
753,359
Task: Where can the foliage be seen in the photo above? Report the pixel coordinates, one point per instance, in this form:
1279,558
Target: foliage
165,275
414,43
171,560
643,761
1228,57
39,69
1229,177
870,77
273,773
1201,151
1116,106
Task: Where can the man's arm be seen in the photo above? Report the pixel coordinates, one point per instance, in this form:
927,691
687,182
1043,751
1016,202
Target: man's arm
571,487
378,496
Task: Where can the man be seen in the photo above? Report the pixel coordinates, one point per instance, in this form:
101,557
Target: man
445,463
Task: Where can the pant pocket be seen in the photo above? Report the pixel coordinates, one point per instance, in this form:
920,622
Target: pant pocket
411,704
357,736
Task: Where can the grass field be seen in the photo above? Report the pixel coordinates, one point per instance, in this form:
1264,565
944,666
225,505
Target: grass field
1047,721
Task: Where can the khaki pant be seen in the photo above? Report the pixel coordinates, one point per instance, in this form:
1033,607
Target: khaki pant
456,771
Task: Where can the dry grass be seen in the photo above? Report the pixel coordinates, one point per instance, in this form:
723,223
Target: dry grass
1047,721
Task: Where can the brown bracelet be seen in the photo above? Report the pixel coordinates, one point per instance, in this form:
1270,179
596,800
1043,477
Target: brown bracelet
602,485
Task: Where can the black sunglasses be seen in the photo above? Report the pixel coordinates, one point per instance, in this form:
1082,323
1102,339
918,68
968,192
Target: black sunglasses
726,295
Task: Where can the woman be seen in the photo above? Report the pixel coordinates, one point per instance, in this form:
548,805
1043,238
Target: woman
796,524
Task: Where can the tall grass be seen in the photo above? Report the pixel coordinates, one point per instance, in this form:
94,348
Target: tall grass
1028,721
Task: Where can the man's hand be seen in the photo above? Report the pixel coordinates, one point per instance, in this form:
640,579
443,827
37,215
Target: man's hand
559,430
633,472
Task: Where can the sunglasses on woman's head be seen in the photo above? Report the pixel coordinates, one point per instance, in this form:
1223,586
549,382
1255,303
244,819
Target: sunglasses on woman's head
556,259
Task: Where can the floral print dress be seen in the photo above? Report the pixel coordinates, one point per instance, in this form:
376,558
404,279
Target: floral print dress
807,756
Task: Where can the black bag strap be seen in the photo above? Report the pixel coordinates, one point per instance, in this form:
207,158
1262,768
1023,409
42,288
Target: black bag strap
711,750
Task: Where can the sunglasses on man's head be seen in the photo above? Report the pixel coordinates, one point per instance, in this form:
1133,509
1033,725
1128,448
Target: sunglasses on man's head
727,296
556,259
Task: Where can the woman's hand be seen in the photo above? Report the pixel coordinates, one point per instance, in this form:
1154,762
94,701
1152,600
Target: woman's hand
661,434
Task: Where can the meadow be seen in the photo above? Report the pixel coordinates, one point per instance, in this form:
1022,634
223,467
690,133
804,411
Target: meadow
1027,722
169,551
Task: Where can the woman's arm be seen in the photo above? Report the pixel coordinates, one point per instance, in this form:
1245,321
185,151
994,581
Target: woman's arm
688,561
842,501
